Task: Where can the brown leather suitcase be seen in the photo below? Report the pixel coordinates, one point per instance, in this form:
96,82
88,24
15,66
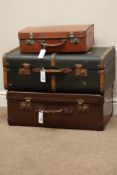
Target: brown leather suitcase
59,110
69,38
91,72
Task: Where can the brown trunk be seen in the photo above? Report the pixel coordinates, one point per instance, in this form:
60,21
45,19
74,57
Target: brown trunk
59,110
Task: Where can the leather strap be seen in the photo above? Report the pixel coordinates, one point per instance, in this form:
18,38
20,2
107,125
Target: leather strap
53,79
53,83
52,111
5,78
53,60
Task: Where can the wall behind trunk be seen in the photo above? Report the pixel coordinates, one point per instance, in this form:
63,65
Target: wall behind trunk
17,14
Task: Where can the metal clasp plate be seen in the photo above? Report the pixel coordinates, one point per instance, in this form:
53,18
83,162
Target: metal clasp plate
80,71
73,39
81,106
31,40
25,104
25,70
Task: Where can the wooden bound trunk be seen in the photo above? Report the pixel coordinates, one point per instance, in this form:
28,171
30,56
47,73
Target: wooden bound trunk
91,72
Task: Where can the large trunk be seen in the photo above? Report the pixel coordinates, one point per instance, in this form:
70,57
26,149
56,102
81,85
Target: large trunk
91,72
59,110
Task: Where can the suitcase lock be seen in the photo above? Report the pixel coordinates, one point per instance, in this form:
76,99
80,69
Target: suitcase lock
25,104
80,71
25,70
73,39
81,107
31,40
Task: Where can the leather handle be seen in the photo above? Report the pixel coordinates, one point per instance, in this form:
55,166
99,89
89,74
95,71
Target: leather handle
52,111
44,44
62,71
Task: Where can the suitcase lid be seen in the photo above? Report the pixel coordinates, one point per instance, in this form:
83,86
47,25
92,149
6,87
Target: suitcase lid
58,31
97,58
56,97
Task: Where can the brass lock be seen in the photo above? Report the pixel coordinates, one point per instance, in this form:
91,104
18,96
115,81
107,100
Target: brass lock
73,39
25,70
80,71
25,104
31,40
81,107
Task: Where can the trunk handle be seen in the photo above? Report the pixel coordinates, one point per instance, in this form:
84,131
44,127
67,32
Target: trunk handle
44,44
52,111
63,70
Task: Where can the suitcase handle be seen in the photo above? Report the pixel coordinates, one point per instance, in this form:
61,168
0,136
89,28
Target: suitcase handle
63,70
53,111
44,44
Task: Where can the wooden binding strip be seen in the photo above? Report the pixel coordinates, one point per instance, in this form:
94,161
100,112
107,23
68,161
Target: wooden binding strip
102,81
53,83
5,64
53,78
53,60
5,68
5,77
103,57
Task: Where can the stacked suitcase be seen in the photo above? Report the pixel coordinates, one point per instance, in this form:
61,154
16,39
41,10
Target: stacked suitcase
57,79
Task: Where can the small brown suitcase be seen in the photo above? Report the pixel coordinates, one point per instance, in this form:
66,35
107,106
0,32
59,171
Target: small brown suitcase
59,110
69,38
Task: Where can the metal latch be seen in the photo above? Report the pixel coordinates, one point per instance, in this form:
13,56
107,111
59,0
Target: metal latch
31,40
80,71
25,70
73,39
25,104
68,109
81,106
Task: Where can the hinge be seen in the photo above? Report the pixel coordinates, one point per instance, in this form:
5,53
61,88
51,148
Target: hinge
25,70
81,106
80,71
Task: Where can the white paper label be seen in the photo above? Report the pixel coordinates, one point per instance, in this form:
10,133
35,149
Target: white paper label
41,53
40,117
42,76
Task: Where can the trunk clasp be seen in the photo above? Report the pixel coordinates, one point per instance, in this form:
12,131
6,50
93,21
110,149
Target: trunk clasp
82,107
25,104
80,71
25,70
73,39
30,40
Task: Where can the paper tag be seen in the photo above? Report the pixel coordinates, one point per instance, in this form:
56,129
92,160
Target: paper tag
42,76
41,53
40,117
